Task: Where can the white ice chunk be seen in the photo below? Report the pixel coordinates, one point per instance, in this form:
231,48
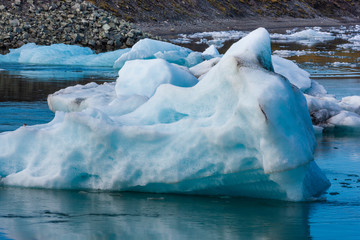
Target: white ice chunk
316,89
80,97
292,72
150,49
290,53
327,111
326,102
351,103
201,69
210,38
211,52
346,119
308,36
143,77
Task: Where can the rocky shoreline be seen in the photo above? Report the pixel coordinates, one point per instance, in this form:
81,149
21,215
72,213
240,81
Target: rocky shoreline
64,21
100,24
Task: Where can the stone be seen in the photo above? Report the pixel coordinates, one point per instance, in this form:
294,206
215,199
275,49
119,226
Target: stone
65,21
130,42
110,42
76,7
106,27
14,22
91,43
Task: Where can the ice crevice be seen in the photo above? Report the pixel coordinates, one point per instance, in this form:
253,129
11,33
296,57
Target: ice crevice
242,129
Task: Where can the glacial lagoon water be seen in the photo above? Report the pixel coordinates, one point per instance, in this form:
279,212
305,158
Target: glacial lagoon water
58,214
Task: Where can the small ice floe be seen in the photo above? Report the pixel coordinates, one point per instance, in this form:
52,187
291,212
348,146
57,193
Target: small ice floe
309,36
210,38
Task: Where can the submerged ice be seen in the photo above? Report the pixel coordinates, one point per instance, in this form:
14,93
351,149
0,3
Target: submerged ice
242,129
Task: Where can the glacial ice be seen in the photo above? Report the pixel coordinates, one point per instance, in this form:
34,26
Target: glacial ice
211,52
151,49
328,112
80,97
300,78
211,38
243,130
143,77
61,54
309,36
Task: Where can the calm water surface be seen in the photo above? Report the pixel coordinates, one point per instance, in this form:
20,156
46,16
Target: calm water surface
55,214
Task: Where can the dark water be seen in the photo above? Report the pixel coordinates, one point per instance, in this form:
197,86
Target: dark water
55,214
39,214
24,90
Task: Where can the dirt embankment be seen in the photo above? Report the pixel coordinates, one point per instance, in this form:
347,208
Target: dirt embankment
104,24
175,16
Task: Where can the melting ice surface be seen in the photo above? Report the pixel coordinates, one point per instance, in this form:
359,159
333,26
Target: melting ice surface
242,130
309,36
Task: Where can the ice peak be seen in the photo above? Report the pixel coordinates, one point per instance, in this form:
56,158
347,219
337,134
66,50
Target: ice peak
254,48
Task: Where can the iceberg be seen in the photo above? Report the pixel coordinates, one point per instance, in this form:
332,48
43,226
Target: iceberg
72,55
243,130
61,54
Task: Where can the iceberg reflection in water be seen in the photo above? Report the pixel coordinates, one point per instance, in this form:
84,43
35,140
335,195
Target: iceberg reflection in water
51,214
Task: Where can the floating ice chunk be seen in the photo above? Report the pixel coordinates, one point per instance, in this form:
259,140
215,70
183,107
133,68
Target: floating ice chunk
316,89
80,97
327,111
318,130
354,42
243,130
290,53
211,52
201,69
351,103
210,38
150,49
306,37
344,64
311,33
14,55
61,54
346,119
193,59
143,77
326,102
292,72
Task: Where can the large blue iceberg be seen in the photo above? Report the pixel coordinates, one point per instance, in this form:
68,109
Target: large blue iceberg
242,130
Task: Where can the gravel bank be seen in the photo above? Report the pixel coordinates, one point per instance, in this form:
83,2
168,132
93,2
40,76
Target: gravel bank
64,21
